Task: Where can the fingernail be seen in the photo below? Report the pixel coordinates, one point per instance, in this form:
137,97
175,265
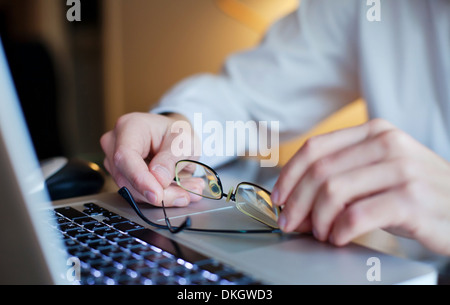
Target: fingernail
331,239
314,232
162,172
282,222
275,197
180,202
151,197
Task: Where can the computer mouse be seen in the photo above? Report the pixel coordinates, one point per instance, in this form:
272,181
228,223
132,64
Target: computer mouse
67,178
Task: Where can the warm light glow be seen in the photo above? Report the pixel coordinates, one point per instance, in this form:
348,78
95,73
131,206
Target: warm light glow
94,166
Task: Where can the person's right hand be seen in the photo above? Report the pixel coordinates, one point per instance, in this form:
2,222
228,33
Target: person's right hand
139,156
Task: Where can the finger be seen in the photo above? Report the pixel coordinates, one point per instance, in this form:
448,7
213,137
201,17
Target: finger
133,143
122,181
132,166
318,147
383,210
305,226
175,196
163,162
107,142
336,192
300,201
193,185
119,165
162,166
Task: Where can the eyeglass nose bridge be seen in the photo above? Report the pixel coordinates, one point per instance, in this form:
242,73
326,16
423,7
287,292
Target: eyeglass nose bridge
230,195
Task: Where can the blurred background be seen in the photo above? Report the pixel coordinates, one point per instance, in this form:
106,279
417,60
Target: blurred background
76,78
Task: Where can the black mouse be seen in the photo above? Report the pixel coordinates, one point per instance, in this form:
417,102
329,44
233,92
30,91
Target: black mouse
67,178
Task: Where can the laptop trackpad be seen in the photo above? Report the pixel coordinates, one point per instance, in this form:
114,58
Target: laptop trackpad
217,215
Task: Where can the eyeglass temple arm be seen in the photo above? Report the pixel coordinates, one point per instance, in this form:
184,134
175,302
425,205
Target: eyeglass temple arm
125,193
186,223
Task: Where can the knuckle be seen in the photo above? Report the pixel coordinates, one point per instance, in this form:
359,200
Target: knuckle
393,141
403,212
330,190
353,217
319,170
166,155
413,190
123,120
285,181
377,125
310,147
118,157
405,168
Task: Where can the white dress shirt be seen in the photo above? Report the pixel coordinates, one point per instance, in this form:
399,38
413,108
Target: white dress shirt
329,53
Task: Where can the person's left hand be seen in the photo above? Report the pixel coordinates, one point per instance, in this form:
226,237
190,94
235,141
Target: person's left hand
347,183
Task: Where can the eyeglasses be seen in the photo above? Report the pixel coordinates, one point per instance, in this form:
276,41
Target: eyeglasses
201,180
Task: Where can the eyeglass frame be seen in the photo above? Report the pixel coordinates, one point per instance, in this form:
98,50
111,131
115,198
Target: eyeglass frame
186,225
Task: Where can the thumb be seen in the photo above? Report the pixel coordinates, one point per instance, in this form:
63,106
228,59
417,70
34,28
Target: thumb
178,144
162,166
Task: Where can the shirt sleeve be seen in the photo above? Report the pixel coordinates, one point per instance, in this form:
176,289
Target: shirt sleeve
304,69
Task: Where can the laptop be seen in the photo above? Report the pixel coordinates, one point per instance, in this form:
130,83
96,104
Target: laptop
100,240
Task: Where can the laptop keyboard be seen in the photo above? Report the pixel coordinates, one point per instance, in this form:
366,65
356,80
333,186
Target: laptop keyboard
114,250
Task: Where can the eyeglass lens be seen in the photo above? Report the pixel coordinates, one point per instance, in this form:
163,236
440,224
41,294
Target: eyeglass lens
198,179
250,199
255,202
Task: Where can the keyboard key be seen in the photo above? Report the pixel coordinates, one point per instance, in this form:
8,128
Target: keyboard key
168,264
127,226
62,220
76,249
100,244
117,237
104,231
155,239
92,209
77,232
102,264
68,227
91,205
115,220
69,242
88,256
95,226
70,212
84,220
119,256
88,238
129,244
154,257
110,250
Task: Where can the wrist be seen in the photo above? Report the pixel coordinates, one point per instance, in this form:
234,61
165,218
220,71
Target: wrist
176,116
